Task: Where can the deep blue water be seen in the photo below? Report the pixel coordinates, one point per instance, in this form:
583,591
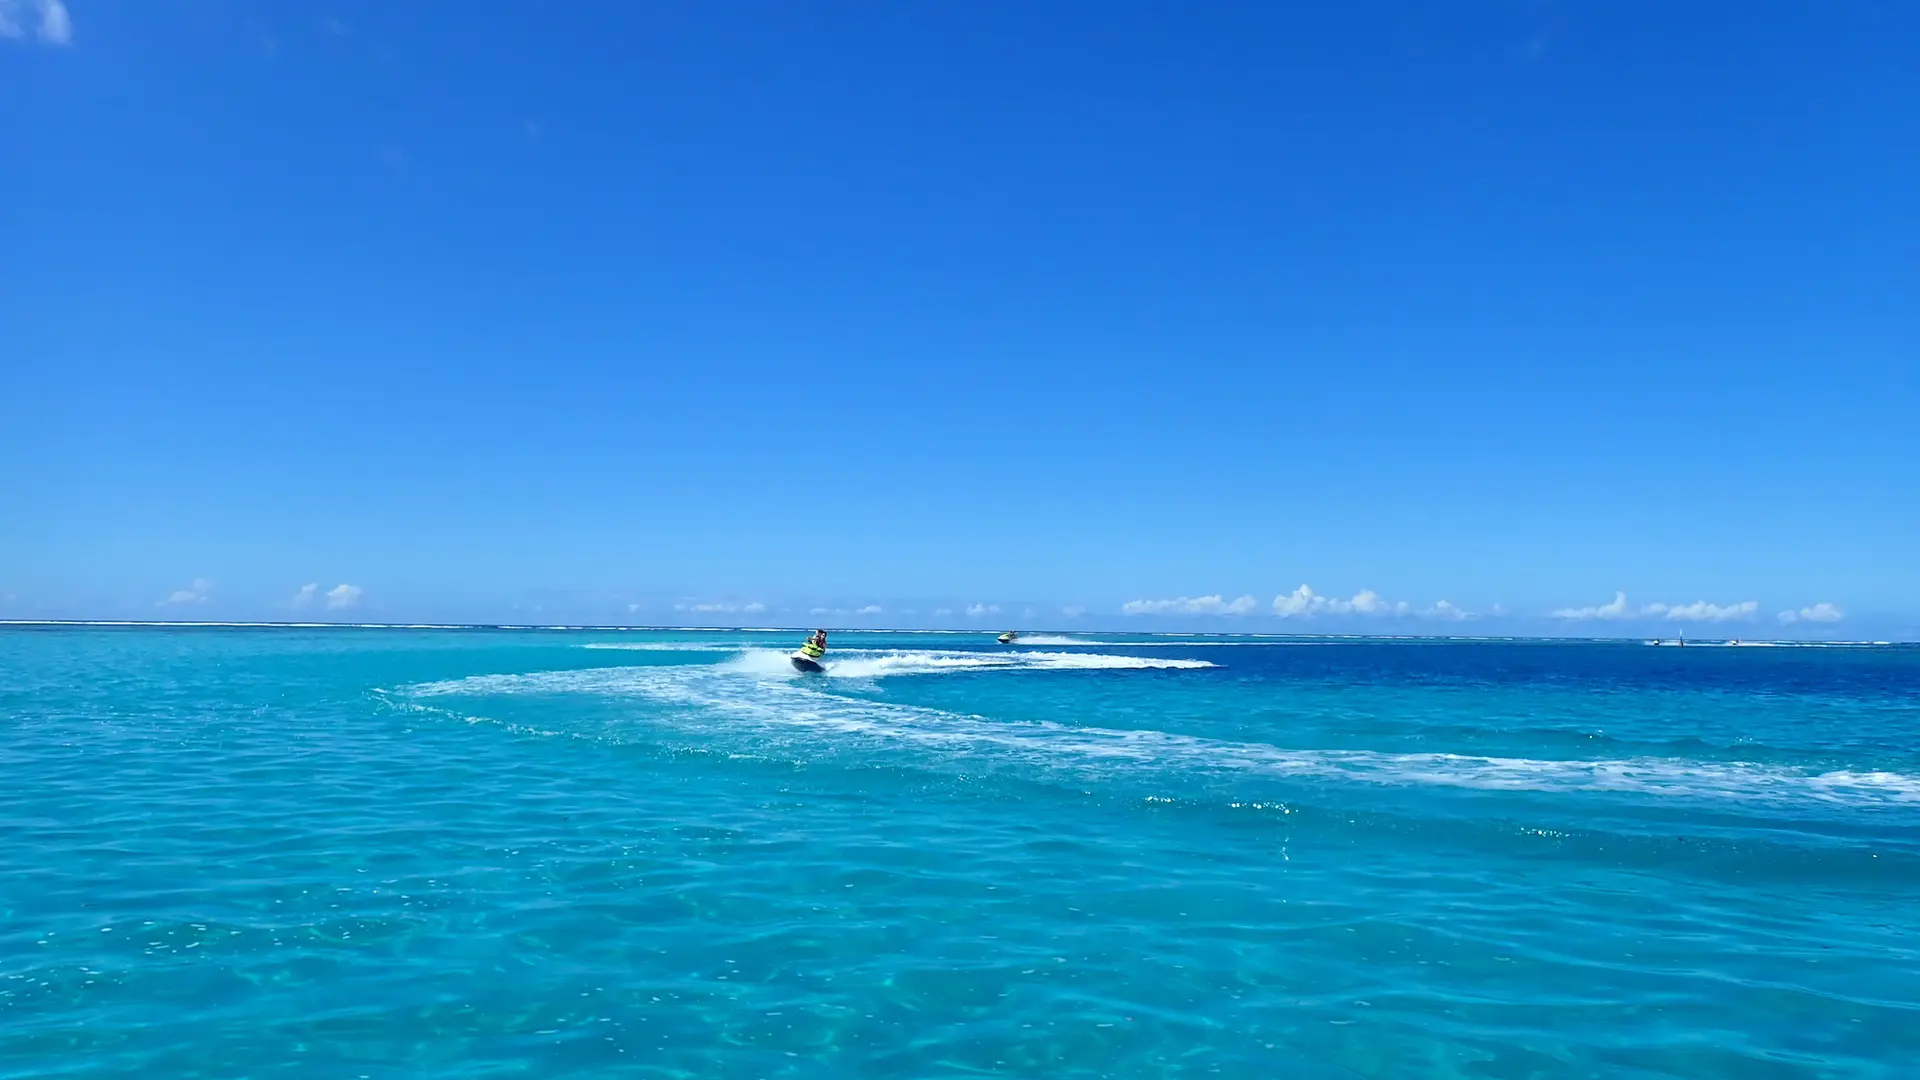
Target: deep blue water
389,853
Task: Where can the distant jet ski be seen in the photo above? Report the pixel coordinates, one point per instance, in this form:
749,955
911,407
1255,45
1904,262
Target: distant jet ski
807,659
1008,638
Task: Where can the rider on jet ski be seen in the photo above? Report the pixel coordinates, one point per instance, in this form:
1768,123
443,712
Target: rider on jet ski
808,658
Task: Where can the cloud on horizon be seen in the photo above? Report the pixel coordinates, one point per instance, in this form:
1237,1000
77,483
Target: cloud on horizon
1822,612
1301,603
1698,611
975,611
1701,611
1304,603
728,607
1617,609
195,593
1191,605
47,20
343,596
305,595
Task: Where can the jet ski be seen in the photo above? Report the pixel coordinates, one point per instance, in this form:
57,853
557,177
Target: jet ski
1008,638
806,659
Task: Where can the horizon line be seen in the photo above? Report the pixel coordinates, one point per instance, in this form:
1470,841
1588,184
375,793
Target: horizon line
664,628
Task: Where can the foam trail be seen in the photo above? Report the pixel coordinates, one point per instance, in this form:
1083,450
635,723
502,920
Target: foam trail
1785,644
667,646
878,664
1073,641
718,698
862,665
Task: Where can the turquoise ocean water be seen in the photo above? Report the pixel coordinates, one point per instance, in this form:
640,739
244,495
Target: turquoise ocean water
486,853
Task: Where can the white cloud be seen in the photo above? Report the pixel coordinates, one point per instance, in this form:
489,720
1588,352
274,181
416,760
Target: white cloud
1303,602
342,597
1073,611
1698,611
49,19
1821,612
1701,611
1617,609
753,608
942,612
631,608
1191,605
975,611
195,593
56,25
870,609
305,596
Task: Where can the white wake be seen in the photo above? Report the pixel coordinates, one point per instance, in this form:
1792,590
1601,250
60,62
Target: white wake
751,694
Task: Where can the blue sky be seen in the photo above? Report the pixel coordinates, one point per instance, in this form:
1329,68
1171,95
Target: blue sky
1119,313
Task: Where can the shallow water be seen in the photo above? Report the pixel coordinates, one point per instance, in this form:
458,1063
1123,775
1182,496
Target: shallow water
477,853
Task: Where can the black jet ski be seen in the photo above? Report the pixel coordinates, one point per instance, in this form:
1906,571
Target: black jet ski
806,659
